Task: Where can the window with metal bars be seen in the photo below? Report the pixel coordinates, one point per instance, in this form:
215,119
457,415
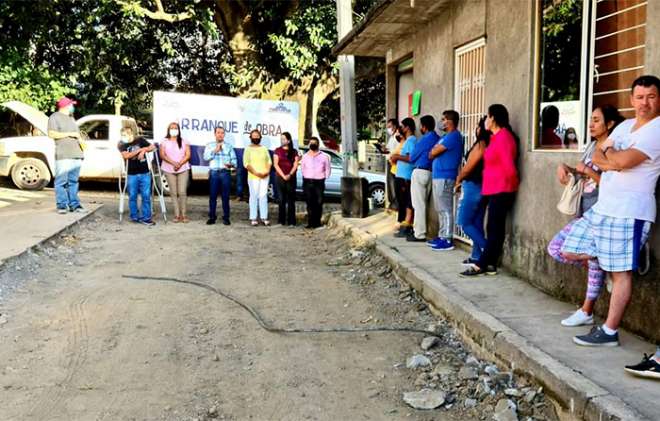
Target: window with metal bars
469,99
590,51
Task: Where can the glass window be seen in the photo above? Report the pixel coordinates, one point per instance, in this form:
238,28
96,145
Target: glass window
95,130
335,160
561,103
610,44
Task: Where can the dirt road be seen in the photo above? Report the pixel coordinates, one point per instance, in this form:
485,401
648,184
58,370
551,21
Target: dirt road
81,342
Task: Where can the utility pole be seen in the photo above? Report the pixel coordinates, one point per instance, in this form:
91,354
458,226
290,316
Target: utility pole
352,187
347,92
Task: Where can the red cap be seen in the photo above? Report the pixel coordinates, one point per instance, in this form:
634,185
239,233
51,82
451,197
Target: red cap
65,102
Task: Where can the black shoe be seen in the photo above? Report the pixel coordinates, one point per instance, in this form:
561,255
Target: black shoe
226,222
210,221
414,239
475,270
403,232
648,368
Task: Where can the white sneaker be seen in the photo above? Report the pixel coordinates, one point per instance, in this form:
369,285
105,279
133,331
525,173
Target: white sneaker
579,318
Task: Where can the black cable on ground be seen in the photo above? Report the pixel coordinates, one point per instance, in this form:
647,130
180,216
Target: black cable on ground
264,325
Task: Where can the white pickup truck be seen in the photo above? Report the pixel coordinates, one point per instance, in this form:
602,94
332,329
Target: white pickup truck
30,160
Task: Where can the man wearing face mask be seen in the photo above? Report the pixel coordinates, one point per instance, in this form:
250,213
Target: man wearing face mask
62,128
446,155
222,159
420,185
392,143
134,150
315,167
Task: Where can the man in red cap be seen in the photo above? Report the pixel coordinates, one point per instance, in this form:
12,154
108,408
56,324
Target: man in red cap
62,128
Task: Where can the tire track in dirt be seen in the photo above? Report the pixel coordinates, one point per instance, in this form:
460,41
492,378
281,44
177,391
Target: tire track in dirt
75,357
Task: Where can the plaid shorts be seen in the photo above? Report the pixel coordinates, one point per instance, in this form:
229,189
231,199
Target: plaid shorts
615,242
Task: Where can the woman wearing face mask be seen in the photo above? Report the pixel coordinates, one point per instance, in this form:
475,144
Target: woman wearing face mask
285,161
175,154
315,167
256,160
472,209
499,186
570,139
603,121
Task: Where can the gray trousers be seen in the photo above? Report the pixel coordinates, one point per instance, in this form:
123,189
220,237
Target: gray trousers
420,186
443,200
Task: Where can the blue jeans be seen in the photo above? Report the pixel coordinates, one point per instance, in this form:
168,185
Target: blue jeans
471,212
139,184
67,172
241,173
219,182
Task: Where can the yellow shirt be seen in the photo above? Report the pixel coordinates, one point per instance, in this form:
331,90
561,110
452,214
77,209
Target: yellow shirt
396,151
258,158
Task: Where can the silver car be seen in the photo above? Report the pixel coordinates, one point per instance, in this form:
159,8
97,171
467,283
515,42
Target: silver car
333,183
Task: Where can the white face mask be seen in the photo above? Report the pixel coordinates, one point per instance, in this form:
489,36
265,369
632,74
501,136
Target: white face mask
174,132
125,139
571,136
390,132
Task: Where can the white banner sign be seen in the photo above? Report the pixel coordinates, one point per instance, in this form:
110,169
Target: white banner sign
199,115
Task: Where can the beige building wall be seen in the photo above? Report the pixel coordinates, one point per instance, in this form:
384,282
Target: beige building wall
508,26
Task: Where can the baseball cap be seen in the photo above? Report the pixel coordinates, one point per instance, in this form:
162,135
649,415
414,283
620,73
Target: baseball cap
65,101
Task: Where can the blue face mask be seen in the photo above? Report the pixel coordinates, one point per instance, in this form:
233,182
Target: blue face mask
71,109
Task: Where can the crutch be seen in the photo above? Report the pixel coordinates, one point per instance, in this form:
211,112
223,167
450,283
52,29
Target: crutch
157,187
123,184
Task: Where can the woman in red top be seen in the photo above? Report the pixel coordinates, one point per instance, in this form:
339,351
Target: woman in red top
499,186
285,161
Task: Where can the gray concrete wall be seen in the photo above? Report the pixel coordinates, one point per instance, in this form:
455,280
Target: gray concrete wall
508,27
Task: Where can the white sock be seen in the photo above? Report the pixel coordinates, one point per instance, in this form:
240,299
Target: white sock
608,330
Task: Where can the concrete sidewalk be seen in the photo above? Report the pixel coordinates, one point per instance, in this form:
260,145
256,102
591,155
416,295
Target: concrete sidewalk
516,324
29,218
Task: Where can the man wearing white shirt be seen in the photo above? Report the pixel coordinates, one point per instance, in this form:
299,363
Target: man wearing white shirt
390,146
617,226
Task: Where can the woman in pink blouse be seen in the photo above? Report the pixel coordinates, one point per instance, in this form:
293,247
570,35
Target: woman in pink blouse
175,154
499,187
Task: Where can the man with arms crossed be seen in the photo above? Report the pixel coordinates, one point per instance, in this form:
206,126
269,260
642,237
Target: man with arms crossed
617,226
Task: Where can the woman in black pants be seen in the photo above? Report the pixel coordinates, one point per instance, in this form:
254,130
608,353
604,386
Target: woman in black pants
315,167
285,160
499,187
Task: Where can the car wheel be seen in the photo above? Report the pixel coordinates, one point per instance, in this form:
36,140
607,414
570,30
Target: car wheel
377,194
30,174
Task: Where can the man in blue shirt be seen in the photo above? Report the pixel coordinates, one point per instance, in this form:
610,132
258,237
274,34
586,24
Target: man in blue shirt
404,171
420,184
222,158
447,155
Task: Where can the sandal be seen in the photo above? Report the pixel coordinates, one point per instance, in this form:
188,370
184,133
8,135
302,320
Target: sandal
185,219
176,219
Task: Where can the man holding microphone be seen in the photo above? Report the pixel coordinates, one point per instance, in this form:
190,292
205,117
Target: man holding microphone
222,158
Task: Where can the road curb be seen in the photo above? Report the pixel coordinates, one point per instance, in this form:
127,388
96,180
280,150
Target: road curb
51,236
575,396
